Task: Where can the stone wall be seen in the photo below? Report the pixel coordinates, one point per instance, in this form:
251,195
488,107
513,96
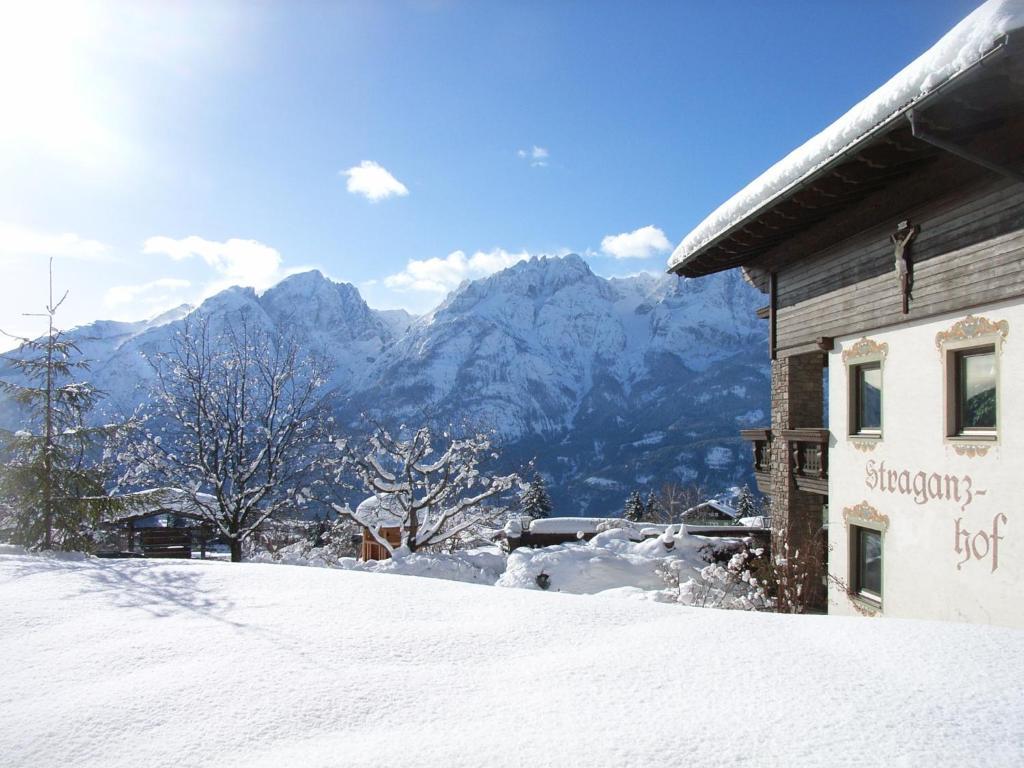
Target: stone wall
797,402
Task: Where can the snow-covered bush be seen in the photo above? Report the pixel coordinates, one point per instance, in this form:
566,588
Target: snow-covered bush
753,578
296,541
476,566
793,575
613,559
733,584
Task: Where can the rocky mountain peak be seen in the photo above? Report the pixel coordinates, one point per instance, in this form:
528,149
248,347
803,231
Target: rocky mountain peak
609,384
314,303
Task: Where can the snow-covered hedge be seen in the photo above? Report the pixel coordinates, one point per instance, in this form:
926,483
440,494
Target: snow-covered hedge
672,567
481,566
610,560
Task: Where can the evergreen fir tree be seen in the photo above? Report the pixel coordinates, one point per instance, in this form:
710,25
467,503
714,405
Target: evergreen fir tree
635,509
652,509
52,490
535,502
746,506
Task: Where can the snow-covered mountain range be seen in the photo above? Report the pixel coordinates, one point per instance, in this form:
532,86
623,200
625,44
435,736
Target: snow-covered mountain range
610,385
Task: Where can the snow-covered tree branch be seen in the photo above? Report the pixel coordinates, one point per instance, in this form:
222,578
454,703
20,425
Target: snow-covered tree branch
432,488
236,415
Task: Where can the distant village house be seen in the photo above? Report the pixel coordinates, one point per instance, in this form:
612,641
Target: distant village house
710,512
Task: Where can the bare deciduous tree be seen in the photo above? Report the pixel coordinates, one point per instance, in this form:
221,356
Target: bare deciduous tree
436,494
676,498
236,415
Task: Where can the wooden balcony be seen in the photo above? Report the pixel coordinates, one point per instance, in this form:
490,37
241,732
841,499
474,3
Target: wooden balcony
808,451
761,442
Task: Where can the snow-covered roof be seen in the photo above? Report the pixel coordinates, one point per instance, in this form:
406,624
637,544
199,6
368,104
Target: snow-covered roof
382,510
722,507
963,46
570,525
155,501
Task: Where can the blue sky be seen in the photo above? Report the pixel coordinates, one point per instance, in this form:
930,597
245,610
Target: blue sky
161,151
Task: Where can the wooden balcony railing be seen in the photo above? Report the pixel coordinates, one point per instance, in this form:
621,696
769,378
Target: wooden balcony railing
761,442
808,450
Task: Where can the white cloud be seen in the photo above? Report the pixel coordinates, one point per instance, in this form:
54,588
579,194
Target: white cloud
373,182
538,156
238,262
155,292
439,275
639,244
18,242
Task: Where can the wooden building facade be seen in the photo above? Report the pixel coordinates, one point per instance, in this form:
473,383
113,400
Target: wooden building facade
893,271
386,515
371,549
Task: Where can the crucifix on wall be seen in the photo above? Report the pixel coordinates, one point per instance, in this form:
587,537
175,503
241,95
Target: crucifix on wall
900,239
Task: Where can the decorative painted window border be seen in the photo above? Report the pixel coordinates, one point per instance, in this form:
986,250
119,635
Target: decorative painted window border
862,515
866,516
863,351
967,333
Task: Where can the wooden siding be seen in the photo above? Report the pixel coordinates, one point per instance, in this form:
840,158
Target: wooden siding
968,252
372,550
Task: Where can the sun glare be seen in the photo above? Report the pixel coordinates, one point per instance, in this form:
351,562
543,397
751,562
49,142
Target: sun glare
49,87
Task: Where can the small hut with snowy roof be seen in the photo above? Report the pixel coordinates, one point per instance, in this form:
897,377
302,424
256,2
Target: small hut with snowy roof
167,522
384,514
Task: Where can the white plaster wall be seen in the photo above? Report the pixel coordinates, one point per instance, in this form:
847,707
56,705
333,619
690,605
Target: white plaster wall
920,574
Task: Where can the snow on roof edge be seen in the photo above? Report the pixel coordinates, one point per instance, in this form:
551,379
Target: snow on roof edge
382,510
958,50
721,506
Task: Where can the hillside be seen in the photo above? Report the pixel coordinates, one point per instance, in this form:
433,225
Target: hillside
200,663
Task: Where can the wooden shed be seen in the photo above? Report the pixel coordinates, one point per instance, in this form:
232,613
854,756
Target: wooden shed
387,517
161,522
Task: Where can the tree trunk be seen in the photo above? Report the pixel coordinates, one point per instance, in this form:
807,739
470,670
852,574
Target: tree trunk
236,551
414,531
48,431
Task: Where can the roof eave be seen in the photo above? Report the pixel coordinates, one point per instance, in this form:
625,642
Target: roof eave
691,266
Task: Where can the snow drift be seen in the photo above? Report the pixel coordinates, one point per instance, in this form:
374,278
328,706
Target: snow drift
171,663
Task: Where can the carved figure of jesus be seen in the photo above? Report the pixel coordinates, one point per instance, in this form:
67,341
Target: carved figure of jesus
901,239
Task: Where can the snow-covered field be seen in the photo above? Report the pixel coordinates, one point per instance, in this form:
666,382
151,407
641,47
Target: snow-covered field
134,662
